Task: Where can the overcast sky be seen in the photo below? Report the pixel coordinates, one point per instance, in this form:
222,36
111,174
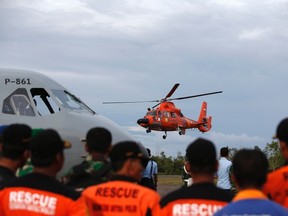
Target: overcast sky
107,50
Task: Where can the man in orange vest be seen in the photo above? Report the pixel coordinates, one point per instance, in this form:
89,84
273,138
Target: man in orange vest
39,193
122,195
202,197
276,186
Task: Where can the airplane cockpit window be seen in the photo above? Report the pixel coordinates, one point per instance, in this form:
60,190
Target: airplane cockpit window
70,102
43,102
18,103
21,105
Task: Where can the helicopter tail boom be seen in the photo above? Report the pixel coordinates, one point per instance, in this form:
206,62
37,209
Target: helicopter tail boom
204,120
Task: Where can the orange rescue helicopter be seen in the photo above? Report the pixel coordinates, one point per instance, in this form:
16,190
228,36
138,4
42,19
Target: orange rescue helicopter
167,117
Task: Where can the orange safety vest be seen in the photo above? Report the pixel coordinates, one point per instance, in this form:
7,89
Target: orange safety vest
19,199
276,186
201,199
120,198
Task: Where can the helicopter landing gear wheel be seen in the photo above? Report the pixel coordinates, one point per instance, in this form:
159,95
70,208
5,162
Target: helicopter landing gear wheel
180,133
164,136
148,131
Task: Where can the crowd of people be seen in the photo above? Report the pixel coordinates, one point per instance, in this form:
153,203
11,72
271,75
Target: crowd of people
121,179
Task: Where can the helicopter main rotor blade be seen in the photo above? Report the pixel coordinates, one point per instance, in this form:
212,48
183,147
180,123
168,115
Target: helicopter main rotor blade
120,102
172,91
155,101
193,96
156,105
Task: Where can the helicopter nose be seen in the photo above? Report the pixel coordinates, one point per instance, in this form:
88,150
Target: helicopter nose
143,121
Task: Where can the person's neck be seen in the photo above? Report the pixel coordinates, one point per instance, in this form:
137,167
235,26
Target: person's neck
250,187
126,173
13,165
45,171
98,155
200,178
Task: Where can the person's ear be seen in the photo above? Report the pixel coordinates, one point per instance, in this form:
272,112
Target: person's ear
26,154
128,167
108,150
59,160
24,157
234,180
187,167
86,147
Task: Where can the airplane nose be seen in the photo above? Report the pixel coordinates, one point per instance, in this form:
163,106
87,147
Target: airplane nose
143,121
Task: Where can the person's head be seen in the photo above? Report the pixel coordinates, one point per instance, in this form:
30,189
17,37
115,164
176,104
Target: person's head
282,136
15,142
129,158
250,167
201,157
46,149
224,152
99,140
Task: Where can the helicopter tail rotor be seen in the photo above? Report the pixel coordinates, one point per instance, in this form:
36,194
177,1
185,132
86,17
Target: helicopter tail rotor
204,121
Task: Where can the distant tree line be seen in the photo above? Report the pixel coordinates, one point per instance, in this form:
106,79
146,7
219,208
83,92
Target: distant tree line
169,165
174,165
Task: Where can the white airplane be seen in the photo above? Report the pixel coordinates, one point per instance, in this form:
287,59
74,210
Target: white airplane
36,100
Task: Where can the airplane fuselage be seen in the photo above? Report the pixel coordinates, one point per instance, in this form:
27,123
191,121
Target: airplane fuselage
40,102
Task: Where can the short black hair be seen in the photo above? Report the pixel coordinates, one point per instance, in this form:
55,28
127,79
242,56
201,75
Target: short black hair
201,155
282,131
250,167
45,146
99,139
125,150
15,140
224,152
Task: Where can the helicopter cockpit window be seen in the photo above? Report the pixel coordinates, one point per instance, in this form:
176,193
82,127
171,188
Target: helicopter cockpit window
43,102
70,102
151,113
18,103
166,114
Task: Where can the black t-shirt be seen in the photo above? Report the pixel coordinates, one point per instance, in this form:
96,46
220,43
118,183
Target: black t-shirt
5,175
